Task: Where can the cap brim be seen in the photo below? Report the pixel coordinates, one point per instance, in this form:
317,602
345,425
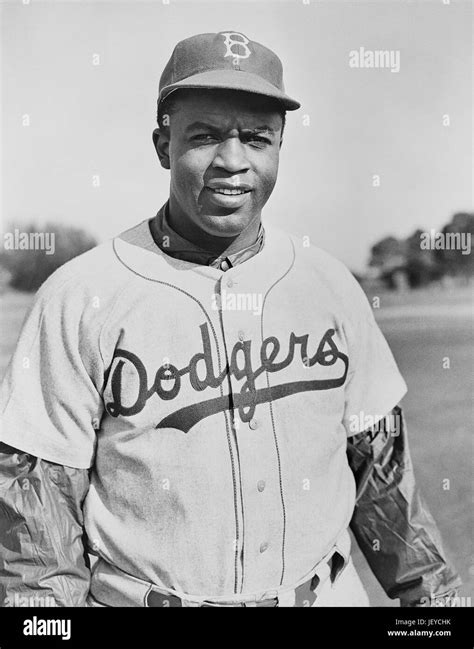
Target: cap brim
232,80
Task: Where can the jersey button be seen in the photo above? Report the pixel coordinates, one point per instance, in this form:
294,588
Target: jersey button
230,283
263,547
241,335
253,424
261,485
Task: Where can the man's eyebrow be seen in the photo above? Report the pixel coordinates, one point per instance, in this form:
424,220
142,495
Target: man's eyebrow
194,126
261,129
203,125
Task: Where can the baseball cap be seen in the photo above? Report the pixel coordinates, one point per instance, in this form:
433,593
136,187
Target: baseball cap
225,60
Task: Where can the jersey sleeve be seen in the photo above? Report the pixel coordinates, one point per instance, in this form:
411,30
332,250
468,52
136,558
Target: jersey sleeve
409,562
374,384
50,397
42,555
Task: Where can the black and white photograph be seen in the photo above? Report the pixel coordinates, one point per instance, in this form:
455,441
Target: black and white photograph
236,307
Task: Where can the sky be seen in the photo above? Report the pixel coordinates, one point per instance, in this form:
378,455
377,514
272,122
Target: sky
79,83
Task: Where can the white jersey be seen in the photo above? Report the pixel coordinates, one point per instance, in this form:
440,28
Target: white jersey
213,407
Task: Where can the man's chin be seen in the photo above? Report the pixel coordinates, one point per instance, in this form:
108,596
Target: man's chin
229,224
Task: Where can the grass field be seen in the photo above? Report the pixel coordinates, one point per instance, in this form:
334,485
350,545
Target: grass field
422,328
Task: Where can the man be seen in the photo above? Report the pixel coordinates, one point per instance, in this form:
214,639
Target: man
185,399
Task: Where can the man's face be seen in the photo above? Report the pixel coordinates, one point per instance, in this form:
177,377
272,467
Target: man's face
223,150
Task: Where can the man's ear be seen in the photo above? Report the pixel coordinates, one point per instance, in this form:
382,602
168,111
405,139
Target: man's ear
161,141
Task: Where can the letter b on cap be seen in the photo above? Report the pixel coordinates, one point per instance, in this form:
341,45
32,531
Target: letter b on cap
239,43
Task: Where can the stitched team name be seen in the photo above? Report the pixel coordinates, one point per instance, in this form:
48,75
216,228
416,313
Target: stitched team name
167,382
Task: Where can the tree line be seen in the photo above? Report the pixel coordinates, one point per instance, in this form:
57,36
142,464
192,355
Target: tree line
426,255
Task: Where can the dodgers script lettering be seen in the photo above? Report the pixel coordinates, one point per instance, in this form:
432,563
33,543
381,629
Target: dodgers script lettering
168,378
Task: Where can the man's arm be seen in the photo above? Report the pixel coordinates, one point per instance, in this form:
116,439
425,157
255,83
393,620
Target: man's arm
391,522
41,532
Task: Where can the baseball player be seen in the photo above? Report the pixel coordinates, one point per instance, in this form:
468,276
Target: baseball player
204,405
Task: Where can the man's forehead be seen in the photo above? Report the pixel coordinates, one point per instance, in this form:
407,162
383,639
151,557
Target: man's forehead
194,116
229,122
219,104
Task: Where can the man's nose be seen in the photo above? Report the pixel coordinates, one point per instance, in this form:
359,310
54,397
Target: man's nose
231,156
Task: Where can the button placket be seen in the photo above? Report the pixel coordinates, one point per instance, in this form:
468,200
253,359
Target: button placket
261,504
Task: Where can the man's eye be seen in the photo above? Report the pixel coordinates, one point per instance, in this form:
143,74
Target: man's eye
258,140
204,137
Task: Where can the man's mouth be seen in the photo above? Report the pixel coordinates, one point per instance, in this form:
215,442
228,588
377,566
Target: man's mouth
228,187
229,192
226,195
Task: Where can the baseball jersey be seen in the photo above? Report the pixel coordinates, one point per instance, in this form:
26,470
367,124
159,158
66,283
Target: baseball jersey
212,407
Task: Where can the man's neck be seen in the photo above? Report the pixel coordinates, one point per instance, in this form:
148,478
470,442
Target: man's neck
217,245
